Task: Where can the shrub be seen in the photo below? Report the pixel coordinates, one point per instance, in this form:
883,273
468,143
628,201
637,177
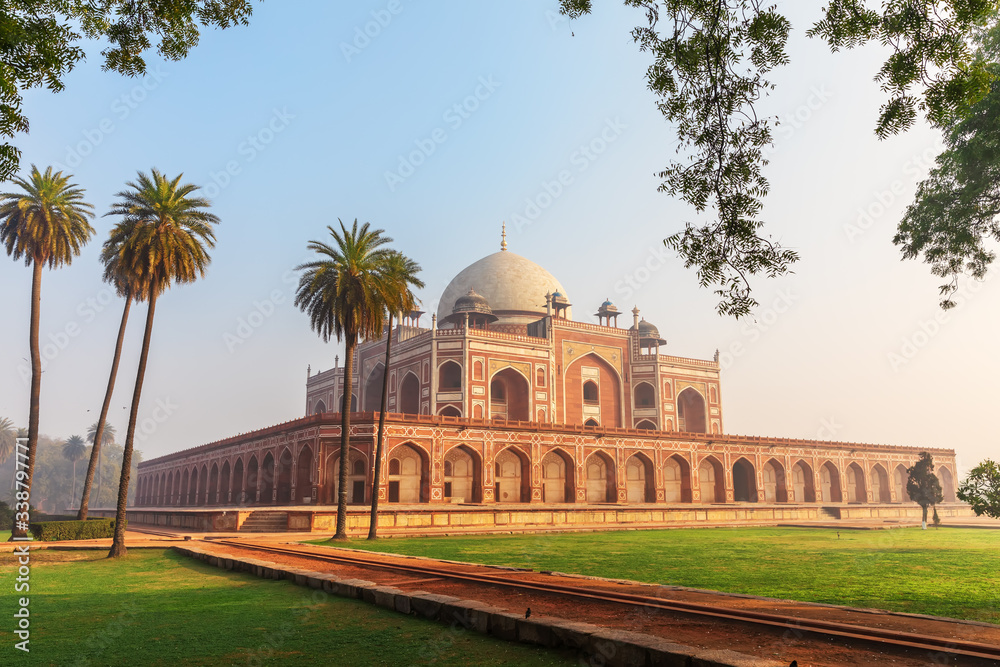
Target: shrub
50,531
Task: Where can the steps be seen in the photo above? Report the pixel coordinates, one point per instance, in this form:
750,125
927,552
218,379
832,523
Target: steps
830,512
264,521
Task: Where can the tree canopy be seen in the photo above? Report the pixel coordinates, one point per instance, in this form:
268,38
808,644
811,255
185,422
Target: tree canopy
922,485
40,43
711,61
981,489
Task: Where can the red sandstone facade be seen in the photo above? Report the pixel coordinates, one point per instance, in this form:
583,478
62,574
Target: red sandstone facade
506,399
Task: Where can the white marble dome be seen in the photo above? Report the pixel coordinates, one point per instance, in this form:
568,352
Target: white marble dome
515,287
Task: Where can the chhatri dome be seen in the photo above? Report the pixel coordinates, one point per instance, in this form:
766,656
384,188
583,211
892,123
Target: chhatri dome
514,286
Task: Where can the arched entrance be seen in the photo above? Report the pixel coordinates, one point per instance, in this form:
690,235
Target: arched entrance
185,489
711,481
802,483
320,408
676,480
856,491
947,484
744,482
557,477
462,476
267,480
775,490
224,484
829,478
639,486
691,411
450,411
644,396
510,476
600,471
408,469
880,485
449,377
373,388
409,395
283,478
899,477
357,477
593,391
239,490
303,476
253,476
509,396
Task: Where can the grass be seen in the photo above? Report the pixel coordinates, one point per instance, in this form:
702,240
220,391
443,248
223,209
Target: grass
161,608
4,535
949,572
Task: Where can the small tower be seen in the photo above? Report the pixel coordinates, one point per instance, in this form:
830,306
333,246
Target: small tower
503,237
560,303
606,312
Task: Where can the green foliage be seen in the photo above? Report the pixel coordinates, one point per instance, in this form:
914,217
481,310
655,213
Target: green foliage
157,607
949,572
54,531
957,207
981,489
40,44
74,449
6,516
711,59
922,485
8,439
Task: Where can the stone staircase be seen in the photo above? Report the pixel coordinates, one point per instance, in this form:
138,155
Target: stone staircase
264,521
829,513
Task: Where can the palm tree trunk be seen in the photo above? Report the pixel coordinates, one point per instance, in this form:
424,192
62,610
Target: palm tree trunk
118,546
17,531
377,475
345,435
95,453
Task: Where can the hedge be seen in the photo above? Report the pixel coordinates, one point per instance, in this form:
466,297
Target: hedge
50,531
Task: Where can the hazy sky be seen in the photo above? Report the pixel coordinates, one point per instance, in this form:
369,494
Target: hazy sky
444,120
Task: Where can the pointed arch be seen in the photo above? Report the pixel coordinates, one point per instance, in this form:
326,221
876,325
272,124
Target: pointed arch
225,483
593,390
239,496
880,484
558,477
512,476
202,499
303,476
463,475
802,482
676,479
450,376
358,483
775,488
283,477
510,395
450,411
267,480
711,480
829,478
692,415
899,477
408,399
857,491
640,481
644,396
947,481
185,487
373,388
409,474
253,479
213,485
744,481
599,470
320,408
646,425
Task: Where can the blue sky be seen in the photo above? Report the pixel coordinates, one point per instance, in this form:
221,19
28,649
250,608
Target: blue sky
443,120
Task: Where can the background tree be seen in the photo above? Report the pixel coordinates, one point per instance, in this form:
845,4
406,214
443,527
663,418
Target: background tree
108,435
981,489
46,224
41,44
710,66
8,439
345,295
121,278
73,450
163,238
923,486
402,272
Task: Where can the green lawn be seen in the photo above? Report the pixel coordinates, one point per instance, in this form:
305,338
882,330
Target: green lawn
4,535
160,608
944,572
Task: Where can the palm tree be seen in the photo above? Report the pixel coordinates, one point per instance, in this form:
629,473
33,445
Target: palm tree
73,450
107,437
403,272
8,439
46,224
163,238
345,295
121,278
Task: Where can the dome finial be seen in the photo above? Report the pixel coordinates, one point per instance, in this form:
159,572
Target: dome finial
503,236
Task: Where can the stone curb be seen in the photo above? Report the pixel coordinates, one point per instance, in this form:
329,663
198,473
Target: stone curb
608,646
